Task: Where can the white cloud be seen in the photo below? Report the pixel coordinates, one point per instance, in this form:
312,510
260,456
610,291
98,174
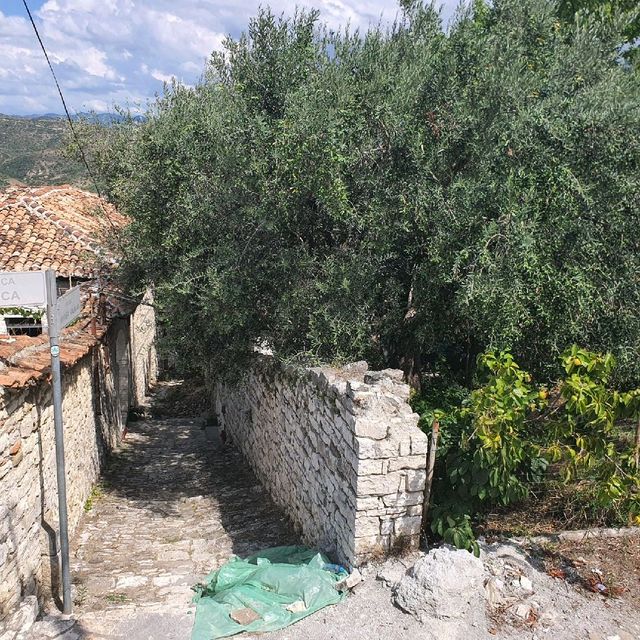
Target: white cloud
109,52
163,77
91,61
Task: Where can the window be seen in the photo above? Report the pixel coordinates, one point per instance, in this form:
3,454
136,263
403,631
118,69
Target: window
18,326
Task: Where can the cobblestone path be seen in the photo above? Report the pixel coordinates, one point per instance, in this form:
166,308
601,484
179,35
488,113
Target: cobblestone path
172,507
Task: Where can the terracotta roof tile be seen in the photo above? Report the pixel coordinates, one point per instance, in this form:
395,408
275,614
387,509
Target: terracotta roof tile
25,360
60,227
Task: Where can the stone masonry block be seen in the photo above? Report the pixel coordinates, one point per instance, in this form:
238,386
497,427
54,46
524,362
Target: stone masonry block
403,499
415,480
387,448
374,427
408,462
386,526
381,485
371,546
367,526
373,467
407,525
419,443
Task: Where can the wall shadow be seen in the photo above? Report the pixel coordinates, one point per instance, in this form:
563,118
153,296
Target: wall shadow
169,461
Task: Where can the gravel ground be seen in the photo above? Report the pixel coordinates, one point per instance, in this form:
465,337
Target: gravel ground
545,607
560,610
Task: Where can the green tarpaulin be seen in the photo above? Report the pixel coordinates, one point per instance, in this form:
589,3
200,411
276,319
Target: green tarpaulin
264,592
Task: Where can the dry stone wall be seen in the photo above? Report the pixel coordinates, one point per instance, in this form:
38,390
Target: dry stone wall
339,450
29,559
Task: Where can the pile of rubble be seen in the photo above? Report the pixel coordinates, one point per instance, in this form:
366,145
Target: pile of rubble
500,594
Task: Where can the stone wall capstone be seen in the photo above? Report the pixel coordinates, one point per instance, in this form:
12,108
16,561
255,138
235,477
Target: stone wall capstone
338,449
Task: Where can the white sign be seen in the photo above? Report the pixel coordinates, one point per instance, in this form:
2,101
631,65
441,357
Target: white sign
22,289
68,307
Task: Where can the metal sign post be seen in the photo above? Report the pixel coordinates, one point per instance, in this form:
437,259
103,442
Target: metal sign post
56,382
37,289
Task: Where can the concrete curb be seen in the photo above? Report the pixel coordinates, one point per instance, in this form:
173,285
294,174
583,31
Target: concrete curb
579,535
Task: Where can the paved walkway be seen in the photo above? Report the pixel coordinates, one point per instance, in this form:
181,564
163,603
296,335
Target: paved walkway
172,507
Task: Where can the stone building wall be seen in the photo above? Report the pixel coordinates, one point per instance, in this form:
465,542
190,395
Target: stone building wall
144,359
93,425
338,450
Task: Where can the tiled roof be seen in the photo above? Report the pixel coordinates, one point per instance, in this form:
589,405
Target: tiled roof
61,228
24,360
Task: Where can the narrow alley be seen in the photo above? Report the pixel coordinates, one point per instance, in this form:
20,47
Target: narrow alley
172,506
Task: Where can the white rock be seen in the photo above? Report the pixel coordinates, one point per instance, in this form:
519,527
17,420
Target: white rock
492,593
526,584
445,583
354,578
522,611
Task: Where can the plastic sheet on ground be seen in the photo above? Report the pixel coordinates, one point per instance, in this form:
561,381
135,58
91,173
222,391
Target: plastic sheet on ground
281,585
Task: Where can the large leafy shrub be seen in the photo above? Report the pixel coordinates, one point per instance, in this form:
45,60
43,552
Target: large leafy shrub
502,439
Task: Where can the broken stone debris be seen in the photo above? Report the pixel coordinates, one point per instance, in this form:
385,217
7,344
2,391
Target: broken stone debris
449,586
526,584
350,581
449,590
244,616
523,611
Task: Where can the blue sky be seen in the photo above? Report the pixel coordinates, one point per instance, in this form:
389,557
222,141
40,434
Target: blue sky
108,52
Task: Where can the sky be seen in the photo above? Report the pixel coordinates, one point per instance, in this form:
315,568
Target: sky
119,52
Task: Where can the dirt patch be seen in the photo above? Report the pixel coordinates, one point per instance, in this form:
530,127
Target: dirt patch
603,568
515,600
552,506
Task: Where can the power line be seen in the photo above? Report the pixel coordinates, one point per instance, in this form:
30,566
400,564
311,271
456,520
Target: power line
69,119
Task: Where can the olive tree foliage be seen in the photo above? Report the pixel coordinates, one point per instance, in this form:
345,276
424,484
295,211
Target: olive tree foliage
609,10
409,195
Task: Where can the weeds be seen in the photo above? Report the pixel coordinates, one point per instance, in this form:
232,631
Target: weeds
97,491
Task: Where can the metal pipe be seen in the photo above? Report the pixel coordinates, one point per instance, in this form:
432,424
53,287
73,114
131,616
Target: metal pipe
56,383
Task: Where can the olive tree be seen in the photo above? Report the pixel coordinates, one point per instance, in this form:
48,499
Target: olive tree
412,195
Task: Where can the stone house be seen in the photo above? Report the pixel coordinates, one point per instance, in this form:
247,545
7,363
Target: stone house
108,361
61,228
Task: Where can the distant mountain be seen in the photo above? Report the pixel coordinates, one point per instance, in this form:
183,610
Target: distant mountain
100,118
30,152
31,149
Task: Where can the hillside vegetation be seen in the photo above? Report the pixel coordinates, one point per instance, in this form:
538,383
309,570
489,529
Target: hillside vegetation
31,153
